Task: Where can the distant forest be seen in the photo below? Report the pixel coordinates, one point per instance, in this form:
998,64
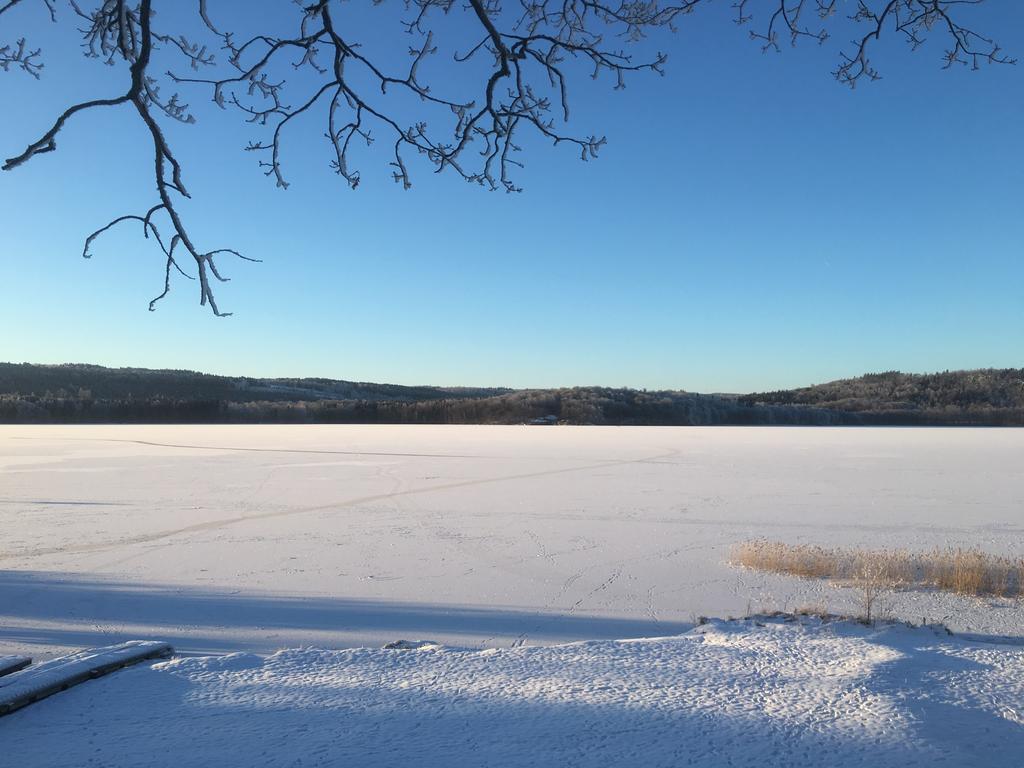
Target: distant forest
89,394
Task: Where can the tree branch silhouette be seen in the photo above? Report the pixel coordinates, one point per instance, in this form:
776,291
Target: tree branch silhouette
515,77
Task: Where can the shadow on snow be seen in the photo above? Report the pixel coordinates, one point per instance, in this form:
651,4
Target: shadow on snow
94,611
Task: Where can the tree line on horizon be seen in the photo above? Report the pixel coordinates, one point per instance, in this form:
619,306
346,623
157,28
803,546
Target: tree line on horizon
91,394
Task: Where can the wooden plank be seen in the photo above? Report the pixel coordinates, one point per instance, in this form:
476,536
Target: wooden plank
30,685
10,664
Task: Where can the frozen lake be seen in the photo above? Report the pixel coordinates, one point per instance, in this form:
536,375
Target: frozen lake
255,538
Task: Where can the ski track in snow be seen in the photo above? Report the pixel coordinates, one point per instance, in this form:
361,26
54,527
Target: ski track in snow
752,693
224,522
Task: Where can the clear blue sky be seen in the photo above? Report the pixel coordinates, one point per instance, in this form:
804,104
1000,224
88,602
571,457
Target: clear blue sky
751,225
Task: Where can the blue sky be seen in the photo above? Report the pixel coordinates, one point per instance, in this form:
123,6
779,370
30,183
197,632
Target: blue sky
750,225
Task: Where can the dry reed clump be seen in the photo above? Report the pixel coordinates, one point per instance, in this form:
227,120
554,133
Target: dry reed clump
963,571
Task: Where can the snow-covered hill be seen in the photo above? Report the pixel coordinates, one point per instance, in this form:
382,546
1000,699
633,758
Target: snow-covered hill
758,692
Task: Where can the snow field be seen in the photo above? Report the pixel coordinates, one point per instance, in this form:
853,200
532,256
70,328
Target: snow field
743,693
255,538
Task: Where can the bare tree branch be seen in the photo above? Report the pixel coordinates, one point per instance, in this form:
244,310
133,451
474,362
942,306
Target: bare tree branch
20,57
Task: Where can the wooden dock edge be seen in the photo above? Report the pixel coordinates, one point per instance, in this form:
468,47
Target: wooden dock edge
9,664
32,684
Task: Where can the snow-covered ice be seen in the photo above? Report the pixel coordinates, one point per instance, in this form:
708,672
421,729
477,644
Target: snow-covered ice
255,538
764,693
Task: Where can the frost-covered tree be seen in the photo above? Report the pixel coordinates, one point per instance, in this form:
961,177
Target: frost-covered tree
479,75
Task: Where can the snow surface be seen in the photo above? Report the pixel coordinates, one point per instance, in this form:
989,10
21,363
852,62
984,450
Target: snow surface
254,538
765,693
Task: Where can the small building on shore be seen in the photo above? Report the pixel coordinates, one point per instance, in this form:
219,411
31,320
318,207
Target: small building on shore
550,419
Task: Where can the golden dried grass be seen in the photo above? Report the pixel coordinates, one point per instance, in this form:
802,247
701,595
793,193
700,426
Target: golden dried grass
962,571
